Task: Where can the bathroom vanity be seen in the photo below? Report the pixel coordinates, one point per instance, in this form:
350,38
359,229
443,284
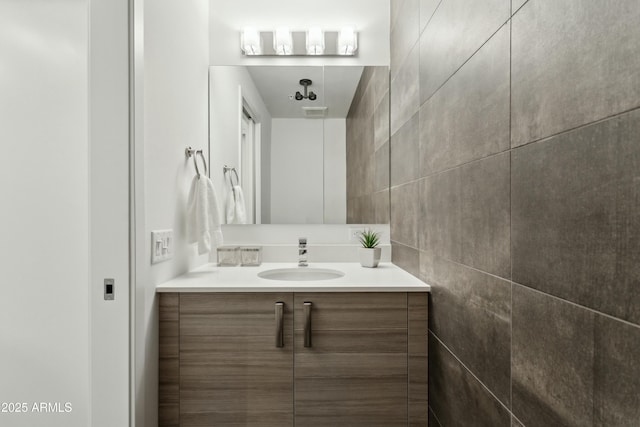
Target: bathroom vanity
240,350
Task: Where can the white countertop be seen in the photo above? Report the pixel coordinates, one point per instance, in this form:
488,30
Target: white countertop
211,278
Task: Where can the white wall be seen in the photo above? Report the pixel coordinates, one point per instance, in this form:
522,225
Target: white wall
335,171
308,176
296,171
370,17
44,295
175,102
224,116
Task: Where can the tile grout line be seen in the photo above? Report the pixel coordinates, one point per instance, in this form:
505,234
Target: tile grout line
415,116
612,317
466,60
609,316
510,149
511,207
422,30
392,22
390,168
520,8
403,62
511,352
434,174
545,139
430,409
454,262
471,372
577,127
517,419
593,371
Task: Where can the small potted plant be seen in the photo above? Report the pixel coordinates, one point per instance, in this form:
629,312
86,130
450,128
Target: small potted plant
369,252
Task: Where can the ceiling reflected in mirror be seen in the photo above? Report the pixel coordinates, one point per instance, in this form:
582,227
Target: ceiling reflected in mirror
334,88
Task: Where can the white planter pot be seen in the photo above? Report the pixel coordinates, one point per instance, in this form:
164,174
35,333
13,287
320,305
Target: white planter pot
369,257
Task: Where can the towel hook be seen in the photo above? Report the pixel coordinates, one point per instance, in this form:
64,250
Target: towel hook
226,169
235,172
190,152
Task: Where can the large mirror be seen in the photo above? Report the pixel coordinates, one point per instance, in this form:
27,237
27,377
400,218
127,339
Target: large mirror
300,144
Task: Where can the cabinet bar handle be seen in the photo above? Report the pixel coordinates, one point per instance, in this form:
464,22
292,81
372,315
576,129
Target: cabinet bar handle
279,324
307,324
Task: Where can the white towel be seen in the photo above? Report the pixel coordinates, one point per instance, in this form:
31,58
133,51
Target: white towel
203,216
236,208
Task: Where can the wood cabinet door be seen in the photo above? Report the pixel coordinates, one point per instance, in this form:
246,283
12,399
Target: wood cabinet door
232,373
355,372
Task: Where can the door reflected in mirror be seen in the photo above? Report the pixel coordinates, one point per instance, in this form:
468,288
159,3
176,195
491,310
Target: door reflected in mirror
300,144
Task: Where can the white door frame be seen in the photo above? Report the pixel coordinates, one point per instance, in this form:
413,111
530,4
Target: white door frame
257,152
110,212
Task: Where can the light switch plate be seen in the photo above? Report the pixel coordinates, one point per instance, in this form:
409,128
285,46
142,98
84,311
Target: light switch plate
161,245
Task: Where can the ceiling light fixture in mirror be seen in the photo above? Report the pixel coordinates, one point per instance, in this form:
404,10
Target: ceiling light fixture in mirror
310,95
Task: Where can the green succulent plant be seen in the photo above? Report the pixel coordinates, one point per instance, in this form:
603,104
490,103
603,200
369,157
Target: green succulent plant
369,238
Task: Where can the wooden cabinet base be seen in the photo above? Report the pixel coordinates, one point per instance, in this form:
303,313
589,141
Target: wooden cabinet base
220,364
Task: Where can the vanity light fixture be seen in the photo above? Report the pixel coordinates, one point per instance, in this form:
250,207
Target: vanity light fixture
315,41
347,41
251,42
283,41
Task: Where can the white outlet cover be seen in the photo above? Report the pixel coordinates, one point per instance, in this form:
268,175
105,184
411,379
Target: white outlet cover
354,234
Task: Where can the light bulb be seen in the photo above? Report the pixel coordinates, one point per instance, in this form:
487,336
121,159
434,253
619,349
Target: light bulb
283,41
315,41
251,42
347,41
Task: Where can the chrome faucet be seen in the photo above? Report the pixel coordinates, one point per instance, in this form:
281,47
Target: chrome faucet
302,252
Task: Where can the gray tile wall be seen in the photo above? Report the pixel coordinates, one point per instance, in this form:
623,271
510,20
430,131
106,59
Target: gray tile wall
368,149
515,192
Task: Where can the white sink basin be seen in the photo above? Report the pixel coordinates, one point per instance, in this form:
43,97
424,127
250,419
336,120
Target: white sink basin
301,274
